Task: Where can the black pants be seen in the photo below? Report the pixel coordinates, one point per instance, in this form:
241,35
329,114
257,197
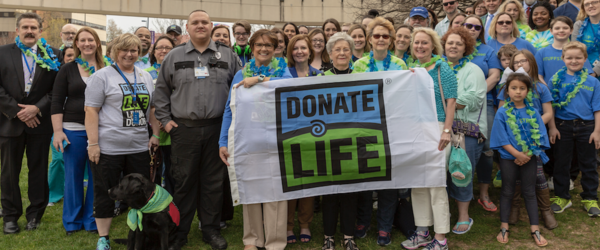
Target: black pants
527,173
107,174
227,208
549,166
575,133
169,182
344,205
198,173
11,155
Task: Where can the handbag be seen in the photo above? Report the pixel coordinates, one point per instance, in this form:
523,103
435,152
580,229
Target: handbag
459,164
469,128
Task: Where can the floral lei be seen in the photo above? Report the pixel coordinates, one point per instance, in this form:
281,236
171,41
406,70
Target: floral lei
86,66
49,61
415,63
580,78
533,133
275,68
107,61
590,49
386,62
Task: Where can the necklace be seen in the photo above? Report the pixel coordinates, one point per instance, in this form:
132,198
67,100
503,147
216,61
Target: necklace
572,90
275,68
386,62
48,61
533,133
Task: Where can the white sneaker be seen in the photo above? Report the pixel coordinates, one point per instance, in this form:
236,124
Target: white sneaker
551,183
51,204
200,225
571,185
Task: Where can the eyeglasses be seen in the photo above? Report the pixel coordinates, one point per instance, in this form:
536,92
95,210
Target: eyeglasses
68,33
589,4
339,50
504,22
241,34
132,51
377,36
471,26
315,41
521,62
164,49
449,3
263,45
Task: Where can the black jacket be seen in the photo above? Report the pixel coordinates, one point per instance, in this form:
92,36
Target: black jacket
12,92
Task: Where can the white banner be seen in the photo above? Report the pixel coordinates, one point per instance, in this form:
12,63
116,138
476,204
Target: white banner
314,136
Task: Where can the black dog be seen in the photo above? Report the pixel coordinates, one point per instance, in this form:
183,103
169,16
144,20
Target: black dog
158,228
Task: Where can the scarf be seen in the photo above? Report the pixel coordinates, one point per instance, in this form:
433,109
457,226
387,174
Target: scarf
158,202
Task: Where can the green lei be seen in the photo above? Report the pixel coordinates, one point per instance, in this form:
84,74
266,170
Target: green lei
415,63
48,61
570,95
532,121
274,65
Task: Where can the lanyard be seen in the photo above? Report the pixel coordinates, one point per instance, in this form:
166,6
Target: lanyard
134,81
30,69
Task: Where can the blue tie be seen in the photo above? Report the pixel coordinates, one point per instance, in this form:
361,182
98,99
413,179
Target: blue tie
487,27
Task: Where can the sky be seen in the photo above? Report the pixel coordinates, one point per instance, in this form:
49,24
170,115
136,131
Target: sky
127,22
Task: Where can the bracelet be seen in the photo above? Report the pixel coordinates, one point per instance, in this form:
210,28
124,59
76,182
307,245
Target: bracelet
90,145
156,136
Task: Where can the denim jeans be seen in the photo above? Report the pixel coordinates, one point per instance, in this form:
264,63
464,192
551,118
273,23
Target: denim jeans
387,201
465,194
486,161
575,133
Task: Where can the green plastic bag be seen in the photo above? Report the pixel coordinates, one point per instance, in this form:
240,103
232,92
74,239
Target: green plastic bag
460,167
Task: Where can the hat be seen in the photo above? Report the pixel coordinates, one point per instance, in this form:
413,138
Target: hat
419,11
174,28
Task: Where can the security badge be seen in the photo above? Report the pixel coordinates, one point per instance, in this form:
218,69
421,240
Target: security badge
218,55
200,71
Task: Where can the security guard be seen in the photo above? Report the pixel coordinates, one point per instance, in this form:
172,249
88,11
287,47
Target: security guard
190,96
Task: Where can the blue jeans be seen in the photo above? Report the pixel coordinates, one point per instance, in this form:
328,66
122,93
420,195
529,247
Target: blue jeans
77,210
575,133
465,194
387,202
486,161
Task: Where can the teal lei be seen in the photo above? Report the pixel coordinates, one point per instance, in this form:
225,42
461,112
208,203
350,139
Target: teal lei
534,133
107,61
386,62
572,89
275,69
48,61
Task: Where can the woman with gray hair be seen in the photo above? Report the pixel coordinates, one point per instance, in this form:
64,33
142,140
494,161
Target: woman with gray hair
340,47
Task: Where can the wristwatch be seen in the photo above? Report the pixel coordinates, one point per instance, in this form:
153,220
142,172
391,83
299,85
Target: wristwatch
261,78
447,131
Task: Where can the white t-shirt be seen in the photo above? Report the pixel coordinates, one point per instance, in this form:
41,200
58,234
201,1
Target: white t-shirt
117,132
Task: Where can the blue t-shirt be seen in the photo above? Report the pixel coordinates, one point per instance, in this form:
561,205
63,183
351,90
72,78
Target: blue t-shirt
569,10
486,58
589,36
519,43
584,104
549,61
541,95
502,134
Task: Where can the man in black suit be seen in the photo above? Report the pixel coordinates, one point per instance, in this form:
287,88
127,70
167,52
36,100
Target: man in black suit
25,96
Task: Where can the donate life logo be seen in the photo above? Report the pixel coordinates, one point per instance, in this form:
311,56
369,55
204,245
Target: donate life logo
330,134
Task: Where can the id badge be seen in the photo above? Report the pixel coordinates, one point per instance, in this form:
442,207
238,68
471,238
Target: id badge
136,118
201,72
28,87
596,63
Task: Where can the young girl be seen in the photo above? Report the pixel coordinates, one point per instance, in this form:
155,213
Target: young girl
519,136
541,100
575,124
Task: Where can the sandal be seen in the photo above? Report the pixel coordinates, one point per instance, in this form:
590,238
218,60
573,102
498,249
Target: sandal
486,205
305,236
503,231
292,238
349,244
328,244
537,237
470,223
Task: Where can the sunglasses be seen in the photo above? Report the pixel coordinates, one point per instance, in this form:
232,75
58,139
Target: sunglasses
471,26
385,37
504,22
449,3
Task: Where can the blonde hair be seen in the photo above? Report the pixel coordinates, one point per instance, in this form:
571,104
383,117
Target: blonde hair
575,45
122,42
435,40
380,21
582,14
522,17
492,31
98,54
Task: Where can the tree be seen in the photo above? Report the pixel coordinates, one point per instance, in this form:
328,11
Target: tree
160,25
112,30
7,37
53,23
400,9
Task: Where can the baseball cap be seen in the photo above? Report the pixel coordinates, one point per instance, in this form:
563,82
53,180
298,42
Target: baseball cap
174,28
419,11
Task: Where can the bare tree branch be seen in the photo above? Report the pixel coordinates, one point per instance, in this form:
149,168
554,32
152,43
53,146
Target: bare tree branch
400,9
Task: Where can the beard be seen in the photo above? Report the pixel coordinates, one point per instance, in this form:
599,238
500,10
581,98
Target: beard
67,43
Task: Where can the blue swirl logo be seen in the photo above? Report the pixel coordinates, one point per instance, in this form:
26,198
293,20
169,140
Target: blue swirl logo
318,128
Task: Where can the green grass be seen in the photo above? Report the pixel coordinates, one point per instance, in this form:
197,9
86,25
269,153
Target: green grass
575,231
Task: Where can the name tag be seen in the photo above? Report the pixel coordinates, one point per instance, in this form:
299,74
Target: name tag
596,63
28,87
201,72
136,118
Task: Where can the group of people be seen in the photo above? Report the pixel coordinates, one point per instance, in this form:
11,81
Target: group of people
525,73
